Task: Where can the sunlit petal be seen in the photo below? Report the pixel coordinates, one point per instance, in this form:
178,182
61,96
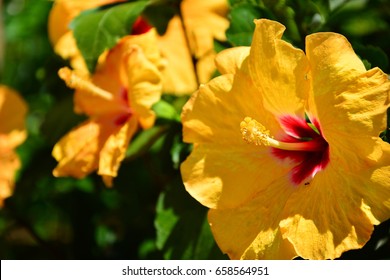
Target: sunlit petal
279,70
210,174
13,111
77,152
254,226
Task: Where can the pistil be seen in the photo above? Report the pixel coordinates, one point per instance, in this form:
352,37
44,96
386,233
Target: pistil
73,81
254,132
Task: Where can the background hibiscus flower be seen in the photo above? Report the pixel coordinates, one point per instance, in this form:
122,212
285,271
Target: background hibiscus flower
187,45
117,100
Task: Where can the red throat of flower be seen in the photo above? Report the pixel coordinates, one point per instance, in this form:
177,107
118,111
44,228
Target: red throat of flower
127,111
140,26
302,143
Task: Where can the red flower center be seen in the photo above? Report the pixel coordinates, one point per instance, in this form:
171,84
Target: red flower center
127,111
308,161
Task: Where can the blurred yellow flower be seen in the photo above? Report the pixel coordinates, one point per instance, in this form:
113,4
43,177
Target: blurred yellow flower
13,110
203,21
286,148
117,99
61,14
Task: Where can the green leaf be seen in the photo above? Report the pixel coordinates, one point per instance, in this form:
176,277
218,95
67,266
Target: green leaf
165,110
233,3
178,149
241,28
364,23
160,13
105,236
182,228
322,7
144,141
99,29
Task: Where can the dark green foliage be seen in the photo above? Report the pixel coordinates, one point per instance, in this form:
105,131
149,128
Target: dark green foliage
182,228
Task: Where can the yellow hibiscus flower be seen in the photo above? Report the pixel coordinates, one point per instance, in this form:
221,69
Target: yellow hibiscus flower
13,110
286,148
203,21
117,98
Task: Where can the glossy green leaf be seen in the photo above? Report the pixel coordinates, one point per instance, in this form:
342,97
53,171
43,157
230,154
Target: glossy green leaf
165,110
99,29
241,28
182,228
160,12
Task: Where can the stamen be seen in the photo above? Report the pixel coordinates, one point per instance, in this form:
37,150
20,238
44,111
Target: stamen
254,132
75,82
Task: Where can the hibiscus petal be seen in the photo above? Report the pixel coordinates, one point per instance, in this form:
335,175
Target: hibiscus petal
223,176
254,226
9,163
77,152
148,42
348,101
278,70
13,109
230,60
198,126
61,15
112,71
66,47
145,86
325,218
178,75
114,150
204,21
376,191
206,67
